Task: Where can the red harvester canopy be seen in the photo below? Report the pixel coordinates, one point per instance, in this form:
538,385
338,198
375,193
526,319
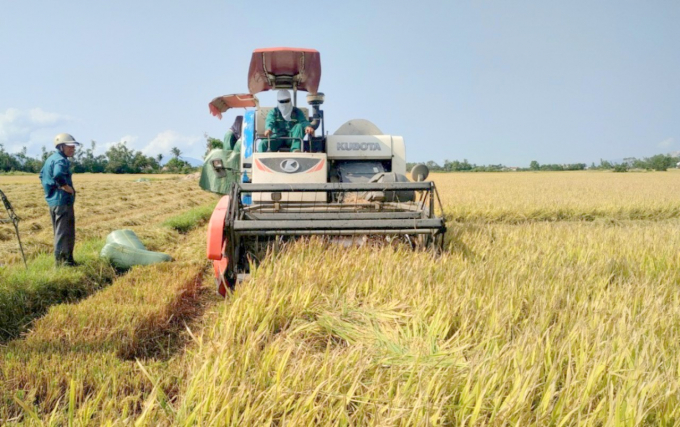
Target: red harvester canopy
222,103
284,68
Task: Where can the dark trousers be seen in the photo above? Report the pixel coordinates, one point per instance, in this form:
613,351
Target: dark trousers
64,225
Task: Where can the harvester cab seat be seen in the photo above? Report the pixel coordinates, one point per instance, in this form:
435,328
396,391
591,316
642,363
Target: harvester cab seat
261,118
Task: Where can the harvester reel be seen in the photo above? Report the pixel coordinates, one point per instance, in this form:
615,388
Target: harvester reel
251,230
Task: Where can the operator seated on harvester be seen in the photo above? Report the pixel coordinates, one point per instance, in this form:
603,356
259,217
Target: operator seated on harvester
285,121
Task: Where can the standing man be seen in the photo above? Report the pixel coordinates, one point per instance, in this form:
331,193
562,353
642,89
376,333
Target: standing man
55,178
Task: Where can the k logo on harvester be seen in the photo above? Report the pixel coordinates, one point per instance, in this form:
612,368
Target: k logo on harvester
290,165
294,165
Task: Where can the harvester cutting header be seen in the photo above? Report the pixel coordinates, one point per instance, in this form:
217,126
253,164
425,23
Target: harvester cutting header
282,180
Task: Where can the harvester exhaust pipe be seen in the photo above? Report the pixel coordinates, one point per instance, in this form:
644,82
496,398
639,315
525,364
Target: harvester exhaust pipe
316,100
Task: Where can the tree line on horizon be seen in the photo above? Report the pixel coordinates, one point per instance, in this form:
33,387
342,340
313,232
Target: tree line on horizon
121,159
118,159
659,162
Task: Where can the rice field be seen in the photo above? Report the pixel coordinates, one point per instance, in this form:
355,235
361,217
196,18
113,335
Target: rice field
556,302
560,196
103,203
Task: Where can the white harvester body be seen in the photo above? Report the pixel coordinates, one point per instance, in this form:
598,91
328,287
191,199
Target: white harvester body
289,168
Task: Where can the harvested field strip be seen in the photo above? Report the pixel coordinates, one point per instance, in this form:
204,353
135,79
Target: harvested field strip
27,294
98,178
87,350
544,324
101,207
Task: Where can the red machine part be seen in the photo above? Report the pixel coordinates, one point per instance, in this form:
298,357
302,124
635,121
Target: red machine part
217,243
262,167
220,267
221,104
216,229
287,61
317,167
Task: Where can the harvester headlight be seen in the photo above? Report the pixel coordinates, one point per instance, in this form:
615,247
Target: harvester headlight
219,168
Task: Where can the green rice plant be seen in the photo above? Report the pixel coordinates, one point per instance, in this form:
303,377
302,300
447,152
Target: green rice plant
190,219
543,324
522,197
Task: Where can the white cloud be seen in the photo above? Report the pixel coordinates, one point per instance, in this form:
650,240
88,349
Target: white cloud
190,146
45,118
17,127
130,140
666,142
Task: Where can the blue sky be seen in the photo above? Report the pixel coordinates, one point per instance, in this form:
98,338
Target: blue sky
491,82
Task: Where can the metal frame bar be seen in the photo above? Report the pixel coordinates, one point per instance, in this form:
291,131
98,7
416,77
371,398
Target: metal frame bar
367,232
337,187
337,219
348,224
272,216
308,207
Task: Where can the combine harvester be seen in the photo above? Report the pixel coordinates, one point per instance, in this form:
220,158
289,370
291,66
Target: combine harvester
350,185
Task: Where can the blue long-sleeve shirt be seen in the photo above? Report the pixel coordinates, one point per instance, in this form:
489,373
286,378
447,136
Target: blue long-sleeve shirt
54,174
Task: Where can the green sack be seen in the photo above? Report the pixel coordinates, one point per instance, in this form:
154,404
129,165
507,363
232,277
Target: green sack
126,238
123,249
124,257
